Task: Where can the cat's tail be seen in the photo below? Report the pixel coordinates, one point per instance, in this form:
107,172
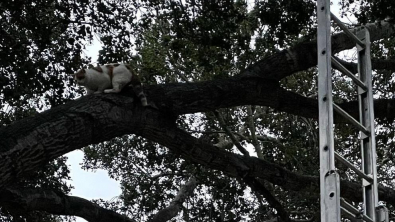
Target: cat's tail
137,86
138,90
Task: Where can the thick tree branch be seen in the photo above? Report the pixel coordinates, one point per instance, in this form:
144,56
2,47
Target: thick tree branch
377,64
100,117
26,200
28,144
304,55
183,98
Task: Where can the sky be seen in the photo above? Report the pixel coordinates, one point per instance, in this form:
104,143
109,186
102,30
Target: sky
90,184
97,184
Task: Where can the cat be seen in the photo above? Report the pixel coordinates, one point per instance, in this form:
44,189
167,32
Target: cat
101,78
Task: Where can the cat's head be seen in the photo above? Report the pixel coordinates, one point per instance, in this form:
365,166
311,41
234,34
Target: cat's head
79,77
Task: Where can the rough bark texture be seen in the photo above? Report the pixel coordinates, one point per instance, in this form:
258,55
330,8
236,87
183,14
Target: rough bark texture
304,55
27,145
98,118
25,200
377,64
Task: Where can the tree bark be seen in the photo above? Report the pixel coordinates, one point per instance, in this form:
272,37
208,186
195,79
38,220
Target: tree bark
377,64
96,118
25,200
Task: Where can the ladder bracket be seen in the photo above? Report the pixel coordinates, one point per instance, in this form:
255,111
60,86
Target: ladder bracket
362,135
330,172
366,183
382,214
361,91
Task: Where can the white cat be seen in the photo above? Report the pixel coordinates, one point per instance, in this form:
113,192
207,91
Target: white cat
101,78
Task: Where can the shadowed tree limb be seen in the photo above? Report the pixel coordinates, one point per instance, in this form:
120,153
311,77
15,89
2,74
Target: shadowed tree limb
304,55
377,64
26,199
28,144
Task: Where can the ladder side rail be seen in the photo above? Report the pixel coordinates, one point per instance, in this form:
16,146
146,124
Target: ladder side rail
329,179
347,31
368,144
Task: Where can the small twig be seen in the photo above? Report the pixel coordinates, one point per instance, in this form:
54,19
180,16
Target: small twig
207,132
257,186
230,134
254,139
175,205
166,174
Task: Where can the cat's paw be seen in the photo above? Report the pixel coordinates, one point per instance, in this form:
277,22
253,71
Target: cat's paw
112,90
151,105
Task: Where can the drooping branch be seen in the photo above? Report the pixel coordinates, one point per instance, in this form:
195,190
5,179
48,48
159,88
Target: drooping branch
175,206
26,199
260,188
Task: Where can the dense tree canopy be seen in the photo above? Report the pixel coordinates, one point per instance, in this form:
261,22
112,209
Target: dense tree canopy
231,131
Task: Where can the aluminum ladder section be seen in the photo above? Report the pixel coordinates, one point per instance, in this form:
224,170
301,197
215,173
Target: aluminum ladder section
332,206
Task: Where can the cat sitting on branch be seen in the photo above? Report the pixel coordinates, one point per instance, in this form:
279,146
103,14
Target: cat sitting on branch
110,78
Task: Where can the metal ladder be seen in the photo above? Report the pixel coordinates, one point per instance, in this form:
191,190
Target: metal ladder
331,204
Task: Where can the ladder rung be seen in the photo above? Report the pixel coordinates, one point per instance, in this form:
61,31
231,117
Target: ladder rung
351,119
347,31
353,167
349,207
347,72
348,214
354,210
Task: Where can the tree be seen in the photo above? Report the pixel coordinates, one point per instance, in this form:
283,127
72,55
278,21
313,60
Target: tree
220,77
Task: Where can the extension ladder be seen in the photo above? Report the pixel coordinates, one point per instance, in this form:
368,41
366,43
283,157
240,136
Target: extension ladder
332,206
